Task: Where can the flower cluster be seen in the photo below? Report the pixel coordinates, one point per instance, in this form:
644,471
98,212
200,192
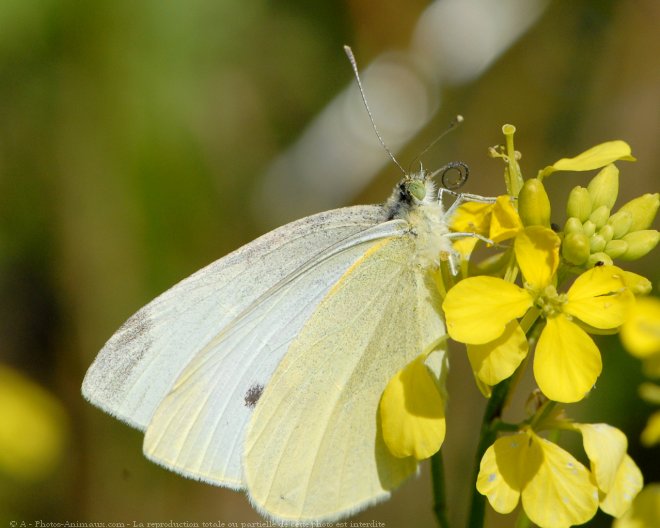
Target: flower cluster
555,488
541,293
593,234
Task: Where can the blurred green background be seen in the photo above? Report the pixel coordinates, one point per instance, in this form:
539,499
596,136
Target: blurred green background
133,136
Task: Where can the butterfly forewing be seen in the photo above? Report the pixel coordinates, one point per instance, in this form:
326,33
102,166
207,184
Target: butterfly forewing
139,364
199,428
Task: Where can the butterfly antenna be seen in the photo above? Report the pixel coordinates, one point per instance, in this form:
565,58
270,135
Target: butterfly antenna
351,57
452,126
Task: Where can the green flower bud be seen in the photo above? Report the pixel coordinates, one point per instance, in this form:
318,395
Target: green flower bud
600,216
588,228
616,248
579,204
534,204
573,225
597,244
620,222
599,259
607,232
640,243
604,187
575,248
643,210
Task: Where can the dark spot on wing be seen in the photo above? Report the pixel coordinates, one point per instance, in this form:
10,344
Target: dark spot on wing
134,333
253,394
133,329
120,355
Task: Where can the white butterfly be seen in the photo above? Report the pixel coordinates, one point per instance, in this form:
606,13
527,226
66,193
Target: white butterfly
264,370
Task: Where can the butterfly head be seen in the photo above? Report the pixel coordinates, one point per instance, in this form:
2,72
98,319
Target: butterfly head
413,190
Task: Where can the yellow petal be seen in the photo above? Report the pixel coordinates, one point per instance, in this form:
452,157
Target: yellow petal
640,334
601,280
645,510
478,309
472,217
412,412
651,433
627,485
537,253
599,298
495,361
566,362
485,389
500,478
594,158
637,284
560,493
605,447
505,222
465,246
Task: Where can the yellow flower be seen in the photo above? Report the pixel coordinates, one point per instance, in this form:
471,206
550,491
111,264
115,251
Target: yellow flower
640,334
616,474
32,429
556,490
412,407
651,433
645,511
482,311
650,392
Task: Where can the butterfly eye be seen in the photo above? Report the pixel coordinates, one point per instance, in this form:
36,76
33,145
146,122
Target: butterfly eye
416,189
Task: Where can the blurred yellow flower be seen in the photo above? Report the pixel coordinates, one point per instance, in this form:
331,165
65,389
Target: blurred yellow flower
32,428
650,392
645,511
640,334
651,433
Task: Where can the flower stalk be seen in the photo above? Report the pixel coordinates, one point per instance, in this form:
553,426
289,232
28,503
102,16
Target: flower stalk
439,490
487,435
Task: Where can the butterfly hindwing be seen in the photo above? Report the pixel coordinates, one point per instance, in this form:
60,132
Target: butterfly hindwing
314,449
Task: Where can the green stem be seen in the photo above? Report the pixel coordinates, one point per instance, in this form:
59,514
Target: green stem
439,498
522,521
545,411
486,438
491,424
